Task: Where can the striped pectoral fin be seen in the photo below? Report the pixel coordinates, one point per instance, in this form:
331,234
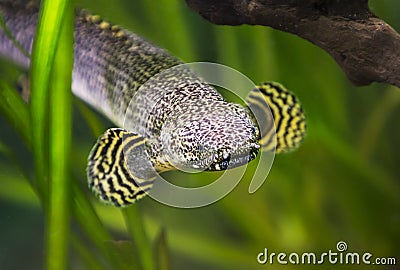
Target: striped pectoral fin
271,99
119,169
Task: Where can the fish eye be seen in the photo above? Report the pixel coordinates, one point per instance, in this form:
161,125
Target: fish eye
222,164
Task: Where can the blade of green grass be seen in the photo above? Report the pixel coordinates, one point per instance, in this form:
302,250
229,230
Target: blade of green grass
377,119
161,249
17,190
381,180
88,219
86,255
51,15
205,248
170,13
60,145
16,111
6,31
93,122
122,254
59,127
228,49
134,224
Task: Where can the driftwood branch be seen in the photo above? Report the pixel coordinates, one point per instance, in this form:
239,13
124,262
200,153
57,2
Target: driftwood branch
365,47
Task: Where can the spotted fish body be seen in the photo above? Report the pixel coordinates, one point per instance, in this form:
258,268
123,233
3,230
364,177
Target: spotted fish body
175,122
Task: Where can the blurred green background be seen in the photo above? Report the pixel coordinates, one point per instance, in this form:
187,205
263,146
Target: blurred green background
342,184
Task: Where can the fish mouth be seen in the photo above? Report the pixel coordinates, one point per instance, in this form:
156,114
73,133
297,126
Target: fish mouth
228,160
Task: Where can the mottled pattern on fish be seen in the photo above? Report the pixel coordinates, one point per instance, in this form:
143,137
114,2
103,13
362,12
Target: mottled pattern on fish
175,122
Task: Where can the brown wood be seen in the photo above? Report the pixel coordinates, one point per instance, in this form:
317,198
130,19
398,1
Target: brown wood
364,46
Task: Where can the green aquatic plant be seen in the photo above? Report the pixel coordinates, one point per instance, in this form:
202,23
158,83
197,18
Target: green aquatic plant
341,185
45,126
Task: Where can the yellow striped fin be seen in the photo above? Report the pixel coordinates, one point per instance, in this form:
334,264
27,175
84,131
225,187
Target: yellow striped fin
119,170
287,113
